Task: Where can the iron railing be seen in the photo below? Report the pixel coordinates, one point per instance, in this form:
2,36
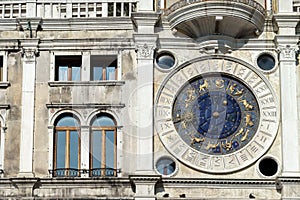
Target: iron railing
96,172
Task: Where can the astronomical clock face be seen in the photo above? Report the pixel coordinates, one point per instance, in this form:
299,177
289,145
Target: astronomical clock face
216,115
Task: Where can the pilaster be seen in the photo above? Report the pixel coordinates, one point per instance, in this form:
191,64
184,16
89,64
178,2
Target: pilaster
145,46
30,50
288,82
85,149
145,42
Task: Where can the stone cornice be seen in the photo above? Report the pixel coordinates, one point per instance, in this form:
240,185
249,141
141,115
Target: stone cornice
289,20
234,44
85,83
9,44
73,24
68,24
85,105
220,182
87,43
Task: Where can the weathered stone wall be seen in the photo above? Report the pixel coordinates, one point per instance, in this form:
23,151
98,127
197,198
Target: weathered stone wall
13,95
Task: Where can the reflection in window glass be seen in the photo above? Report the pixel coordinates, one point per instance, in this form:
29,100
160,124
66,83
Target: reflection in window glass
110,9
97,73
165,60
63,73
126,9
75,73
104,67
68,68
103,147
66,147
118,9
97,147
74,143
61,149
110,148
266,62
165,166
110,73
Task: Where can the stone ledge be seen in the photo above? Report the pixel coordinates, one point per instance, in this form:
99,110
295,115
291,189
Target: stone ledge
85,83
85,105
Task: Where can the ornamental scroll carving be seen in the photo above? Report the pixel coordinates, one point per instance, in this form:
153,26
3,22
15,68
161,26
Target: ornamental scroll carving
145,51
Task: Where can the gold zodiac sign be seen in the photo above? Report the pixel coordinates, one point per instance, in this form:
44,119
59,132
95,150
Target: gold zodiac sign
241,131
239,92
212,146
203,86
245,136
190,96
227,145
248,120
220,83
197,140
247,105
232,88
183,124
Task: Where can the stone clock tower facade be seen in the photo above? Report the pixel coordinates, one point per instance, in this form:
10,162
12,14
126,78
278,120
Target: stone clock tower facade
146,100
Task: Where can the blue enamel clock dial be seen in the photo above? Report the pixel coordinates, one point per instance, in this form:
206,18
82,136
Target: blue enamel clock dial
216,114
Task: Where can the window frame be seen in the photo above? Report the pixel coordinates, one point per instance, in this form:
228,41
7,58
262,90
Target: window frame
103,130
67,132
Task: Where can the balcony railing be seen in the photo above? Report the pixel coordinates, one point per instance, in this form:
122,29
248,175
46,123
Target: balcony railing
63,9
65,172
96,172
183,3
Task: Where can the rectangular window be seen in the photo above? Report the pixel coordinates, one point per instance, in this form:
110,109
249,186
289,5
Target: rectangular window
104,67
68,68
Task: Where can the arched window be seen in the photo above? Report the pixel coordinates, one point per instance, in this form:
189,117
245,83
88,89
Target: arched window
66,147
103,146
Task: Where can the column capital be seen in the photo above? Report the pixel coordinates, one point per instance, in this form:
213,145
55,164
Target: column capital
145,51
29,54
145,45
29,49
287,52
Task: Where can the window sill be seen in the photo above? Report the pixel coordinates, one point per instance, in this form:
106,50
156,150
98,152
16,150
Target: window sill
85,83
86,105
4,84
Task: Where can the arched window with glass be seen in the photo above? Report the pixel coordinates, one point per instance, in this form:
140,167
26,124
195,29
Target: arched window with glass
67,147
103,146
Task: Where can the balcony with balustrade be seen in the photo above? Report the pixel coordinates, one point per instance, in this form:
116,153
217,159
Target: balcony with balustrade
234,18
